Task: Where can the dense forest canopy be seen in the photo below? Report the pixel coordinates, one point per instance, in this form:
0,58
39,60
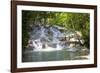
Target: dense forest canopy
70,21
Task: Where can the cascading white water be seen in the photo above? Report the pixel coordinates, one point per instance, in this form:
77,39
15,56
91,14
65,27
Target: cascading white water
46,38
41,39
56,34
37,44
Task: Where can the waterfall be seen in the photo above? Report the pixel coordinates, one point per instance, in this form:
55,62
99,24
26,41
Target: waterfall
47,38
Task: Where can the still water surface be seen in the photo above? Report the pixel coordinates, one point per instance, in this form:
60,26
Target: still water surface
57,55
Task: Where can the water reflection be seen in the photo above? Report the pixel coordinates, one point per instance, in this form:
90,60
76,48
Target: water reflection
57,55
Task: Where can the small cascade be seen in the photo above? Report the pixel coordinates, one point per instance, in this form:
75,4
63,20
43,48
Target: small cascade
46,38
37,44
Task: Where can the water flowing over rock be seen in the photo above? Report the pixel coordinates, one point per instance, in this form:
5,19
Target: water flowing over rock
50,38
